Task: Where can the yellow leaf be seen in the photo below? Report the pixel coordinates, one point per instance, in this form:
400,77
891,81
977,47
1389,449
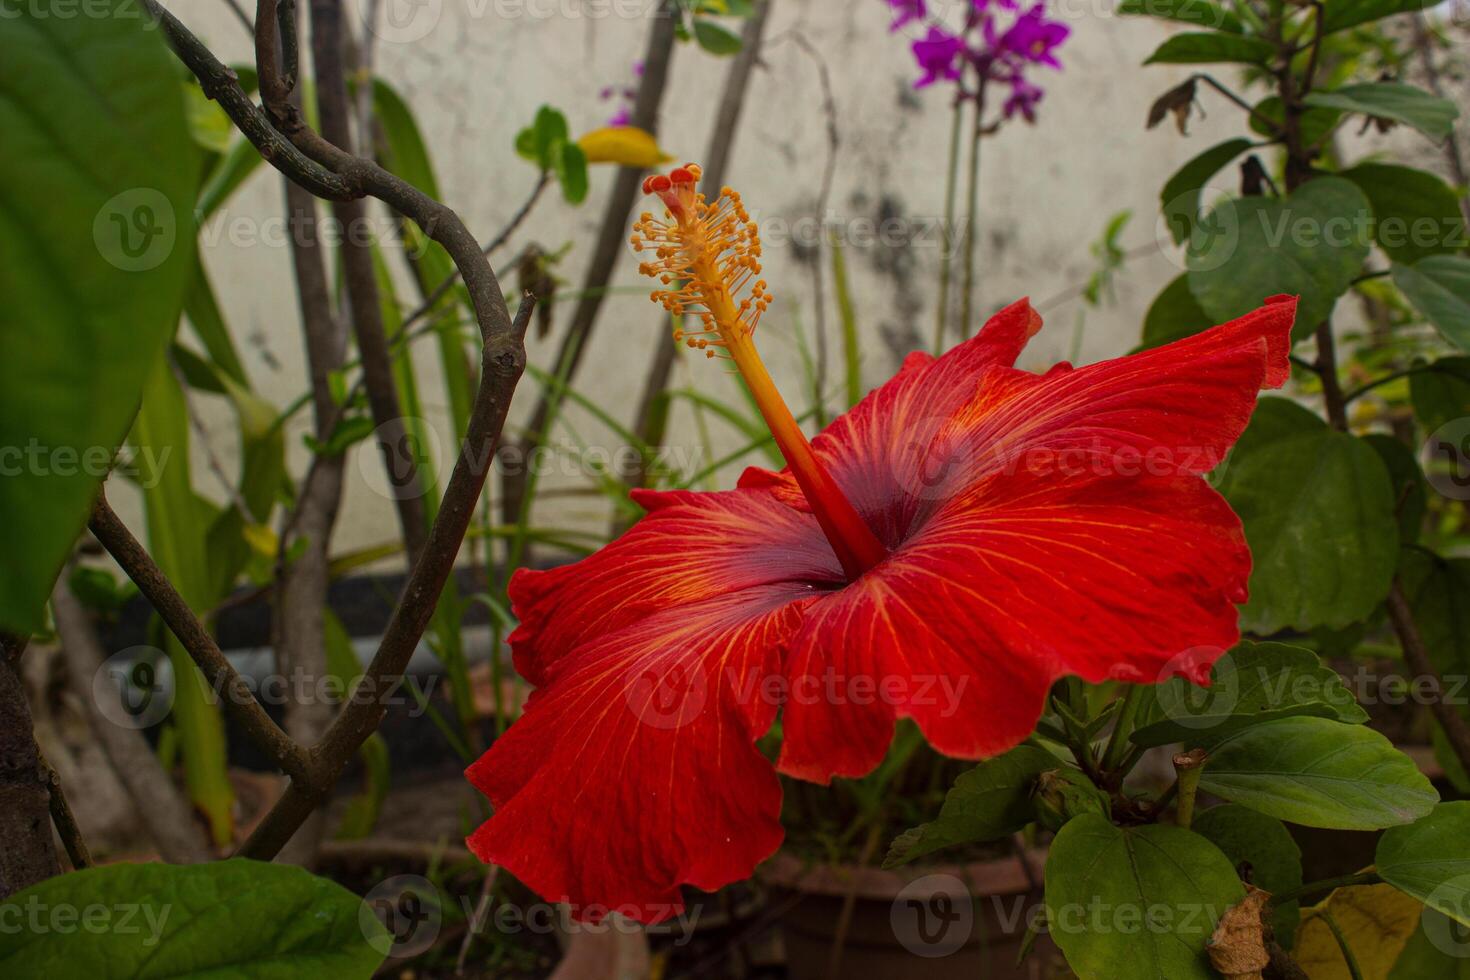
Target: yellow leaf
627,145
262,539
1376,920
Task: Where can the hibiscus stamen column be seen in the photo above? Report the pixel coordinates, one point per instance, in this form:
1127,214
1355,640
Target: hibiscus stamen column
709,253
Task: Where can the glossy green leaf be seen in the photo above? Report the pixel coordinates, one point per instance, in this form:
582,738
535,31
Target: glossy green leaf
1415,214
1173,315
1136,902
1318,509
1319,773
1266,847
1199,13
1439,287
1430,859
1203,49
1251,684
1311,244
97,185
238,918
1180,198
987,803
1431,115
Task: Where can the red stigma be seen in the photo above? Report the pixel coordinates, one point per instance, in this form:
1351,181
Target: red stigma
681,175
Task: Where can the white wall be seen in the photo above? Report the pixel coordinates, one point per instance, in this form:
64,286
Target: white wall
1047,190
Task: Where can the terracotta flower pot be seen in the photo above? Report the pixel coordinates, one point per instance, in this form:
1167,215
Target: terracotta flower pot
935,921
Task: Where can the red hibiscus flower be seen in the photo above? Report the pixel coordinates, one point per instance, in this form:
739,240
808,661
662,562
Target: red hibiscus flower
960,539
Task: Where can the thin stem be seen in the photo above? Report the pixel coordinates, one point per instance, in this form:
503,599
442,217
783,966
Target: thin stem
1118,745
972,215
1327,369
65,820
1456,728
1354,970
1326,885
946,260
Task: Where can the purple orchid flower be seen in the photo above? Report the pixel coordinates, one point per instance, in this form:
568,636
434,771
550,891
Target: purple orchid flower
938,54
906,12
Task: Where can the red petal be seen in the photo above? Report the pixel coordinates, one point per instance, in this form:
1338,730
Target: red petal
633,769
1021,582
862,447
691,547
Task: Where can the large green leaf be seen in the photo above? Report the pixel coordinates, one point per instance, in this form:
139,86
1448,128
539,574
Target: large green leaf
1312,244
1206,48
1181,193
1173,315
1319,773
1439,287
1199,13
1137,902
1432,116
986,803
1318,509
1430,859
237,919
1415,214
1438,590
1253,683
96,209
1342,14
1263,844
1406,482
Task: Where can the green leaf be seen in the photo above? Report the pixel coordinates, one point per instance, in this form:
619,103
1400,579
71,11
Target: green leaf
1432,116
1253,683
1319,773
1180,196
1415,214
1200,13
1439,287
1311,244
539,141
97,187
1203,49
1318,510
235,918
1441,392
571,172
714,38
1436,951
1406,482
1173,315
1137,902
1430,859
987,803
1342,14
1314,124
1247,837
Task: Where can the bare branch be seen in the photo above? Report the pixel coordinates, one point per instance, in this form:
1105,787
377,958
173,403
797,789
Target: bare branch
27,853
1456,728
238,699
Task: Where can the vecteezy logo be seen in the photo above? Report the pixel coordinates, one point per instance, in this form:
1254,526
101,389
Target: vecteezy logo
1450,933
1446,458
933,916
128,691
1205,222
135,231
408,448
666,697
403,21
1189,705
408,908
